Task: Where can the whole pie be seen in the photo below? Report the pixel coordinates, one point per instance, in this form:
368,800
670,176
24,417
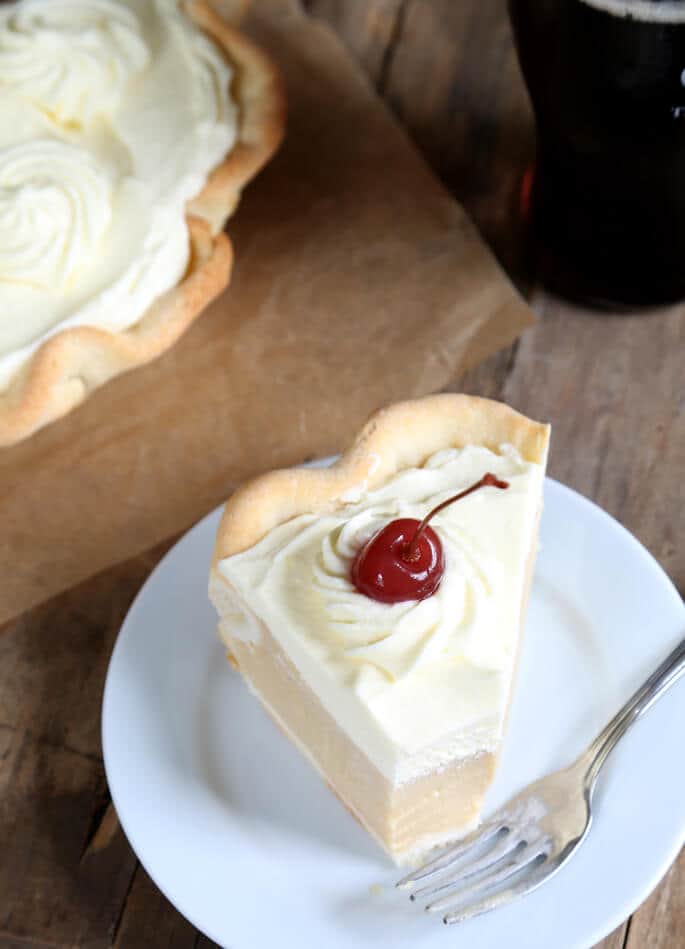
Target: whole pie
376,607
127,131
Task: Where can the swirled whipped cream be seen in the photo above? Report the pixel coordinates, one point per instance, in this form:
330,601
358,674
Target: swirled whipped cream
112,115
414,683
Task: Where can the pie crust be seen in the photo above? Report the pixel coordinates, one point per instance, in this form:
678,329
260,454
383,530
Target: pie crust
68,366
398,437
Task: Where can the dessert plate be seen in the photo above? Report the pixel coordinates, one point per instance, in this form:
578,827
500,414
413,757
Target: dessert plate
247,842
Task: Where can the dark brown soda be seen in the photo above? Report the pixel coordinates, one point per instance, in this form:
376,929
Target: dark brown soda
607,205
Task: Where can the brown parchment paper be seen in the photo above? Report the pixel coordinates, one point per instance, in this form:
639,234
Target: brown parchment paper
358,281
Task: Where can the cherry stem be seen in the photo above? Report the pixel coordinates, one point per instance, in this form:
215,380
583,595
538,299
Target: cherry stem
488,480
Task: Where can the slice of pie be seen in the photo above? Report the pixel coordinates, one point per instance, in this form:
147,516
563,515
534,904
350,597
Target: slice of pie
128,129
395,684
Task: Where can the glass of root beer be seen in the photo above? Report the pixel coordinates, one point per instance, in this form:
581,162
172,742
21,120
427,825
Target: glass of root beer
606,203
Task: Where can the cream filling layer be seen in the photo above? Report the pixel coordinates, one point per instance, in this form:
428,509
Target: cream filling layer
112,115
414,684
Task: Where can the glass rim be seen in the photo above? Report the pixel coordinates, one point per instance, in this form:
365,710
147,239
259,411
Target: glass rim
652,11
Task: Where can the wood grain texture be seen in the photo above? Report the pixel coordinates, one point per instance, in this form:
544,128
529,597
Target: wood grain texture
149,920
608,384
368,27
65,865
612,388
616,939
660,921
52,783
454,82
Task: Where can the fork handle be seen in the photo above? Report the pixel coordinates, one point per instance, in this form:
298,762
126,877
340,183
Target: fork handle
653,688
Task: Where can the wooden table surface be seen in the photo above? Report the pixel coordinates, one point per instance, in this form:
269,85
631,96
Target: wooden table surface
611,385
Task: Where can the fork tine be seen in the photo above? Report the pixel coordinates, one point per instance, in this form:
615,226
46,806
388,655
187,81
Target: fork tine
490,860
461,849
477,907
462,890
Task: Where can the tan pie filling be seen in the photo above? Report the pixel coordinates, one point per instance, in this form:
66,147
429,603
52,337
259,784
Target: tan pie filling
405,820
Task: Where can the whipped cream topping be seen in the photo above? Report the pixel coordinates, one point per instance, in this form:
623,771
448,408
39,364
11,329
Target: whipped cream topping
71,58
112,115
424,680
55,206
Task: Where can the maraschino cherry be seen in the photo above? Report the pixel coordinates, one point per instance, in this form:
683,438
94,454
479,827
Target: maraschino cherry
404,560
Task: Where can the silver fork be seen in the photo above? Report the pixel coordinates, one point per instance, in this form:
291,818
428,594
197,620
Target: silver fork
534,833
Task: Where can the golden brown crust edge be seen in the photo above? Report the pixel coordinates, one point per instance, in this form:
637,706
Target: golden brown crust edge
258,87
400,436
71,364
231,11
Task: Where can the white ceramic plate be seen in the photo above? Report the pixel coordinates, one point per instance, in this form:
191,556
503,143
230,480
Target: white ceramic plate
243,837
